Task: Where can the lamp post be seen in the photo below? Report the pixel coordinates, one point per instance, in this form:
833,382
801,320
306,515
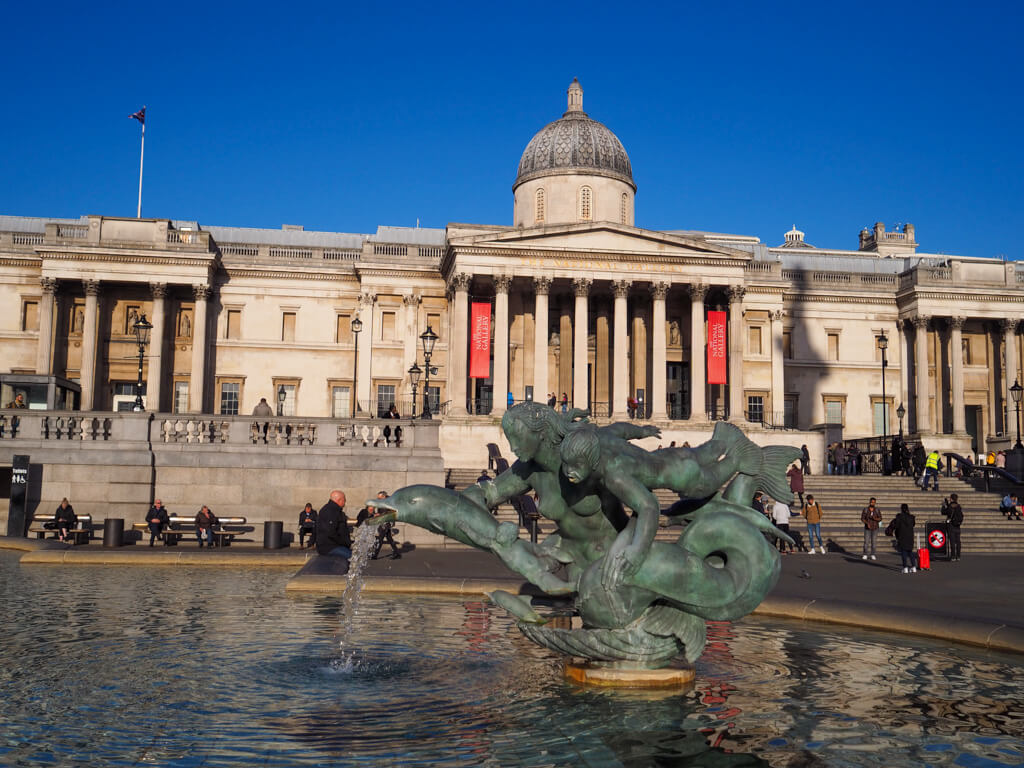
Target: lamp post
414,377
357,327
1015,392
900,413
429,339
142,327
282,395
883,344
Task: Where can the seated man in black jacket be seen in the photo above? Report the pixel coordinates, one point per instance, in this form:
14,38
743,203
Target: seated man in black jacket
332,536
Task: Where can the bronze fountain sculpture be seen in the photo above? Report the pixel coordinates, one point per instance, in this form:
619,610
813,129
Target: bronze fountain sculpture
641,602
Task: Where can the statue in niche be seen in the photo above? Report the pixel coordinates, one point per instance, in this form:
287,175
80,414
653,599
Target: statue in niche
185,326
131,318
674,336
642,602
78,323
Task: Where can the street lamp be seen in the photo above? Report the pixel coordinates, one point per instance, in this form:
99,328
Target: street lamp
414,377
357,326
142,327
282,395
1015,392
900,413
883,344
429,339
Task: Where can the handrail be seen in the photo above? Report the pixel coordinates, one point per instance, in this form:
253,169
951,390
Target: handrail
987,470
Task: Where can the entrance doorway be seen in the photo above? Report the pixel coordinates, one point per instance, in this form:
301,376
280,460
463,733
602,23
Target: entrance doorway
677,387
972,418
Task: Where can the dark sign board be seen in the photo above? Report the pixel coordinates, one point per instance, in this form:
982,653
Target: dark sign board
16,522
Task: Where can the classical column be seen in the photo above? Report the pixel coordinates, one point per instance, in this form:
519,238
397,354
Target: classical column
459,348
541,286
44,348
620,341
921,371
736,409
499,383
698,361
778,368
956,355
1010,375
156,346
410,338
580,380
197,381
364,374
87,376
659,370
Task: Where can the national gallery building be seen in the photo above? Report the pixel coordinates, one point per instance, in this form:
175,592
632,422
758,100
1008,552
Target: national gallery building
679,327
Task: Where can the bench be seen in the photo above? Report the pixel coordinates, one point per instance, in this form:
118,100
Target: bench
82,532
180,527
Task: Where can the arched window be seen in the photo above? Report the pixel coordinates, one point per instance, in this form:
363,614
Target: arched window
586,204
539,213
624,208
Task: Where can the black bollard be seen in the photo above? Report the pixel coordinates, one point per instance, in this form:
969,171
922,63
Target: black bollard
273,532
113,532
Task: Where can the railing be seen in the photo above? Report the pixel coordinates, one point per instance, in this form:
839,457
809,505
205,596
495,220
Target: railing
974,469
183,237
770,419
291,253
77,231
239,250
480,406
26,238
717,412
342,255
384,249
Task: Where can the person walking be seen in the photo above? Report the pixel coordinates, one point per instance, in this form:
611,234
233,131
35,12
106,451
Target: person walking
332,536
307,525
796,481
812,514
871,516
157,519
902,527
955,519
931,469
780,516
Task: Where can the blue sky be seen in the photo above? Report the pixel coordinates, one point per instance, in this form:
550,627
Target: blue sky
738,117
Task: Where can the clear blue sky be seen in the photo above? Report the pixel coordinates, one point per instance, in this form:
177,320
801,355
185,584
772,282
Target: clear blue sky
738,117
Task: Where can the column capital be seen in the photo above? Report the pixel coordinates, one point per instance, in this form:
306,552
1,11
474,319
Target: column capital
48,284
366,300
92,287
411,299
1006,325
502,283
581,286
736,293
957,323
159,290
698,291
660,290
778,314
542,285
621,288
921,322
460,281
201,292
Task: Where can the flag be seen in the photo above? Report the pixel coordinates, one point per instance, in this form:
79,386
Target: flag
717,351
140,116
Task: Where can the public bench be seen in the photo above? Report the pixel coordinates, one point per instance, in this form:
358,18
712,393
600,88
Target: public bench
83,531
223,534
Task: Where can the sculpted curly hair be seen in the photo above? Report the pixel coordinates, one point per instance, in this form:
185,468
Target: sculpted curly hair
581,443
541,418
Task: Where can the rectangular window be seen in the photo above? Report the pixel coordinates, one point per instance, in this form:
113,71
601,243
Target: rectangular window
387,326
286,408
790,413
881,417
833,346
833,411
787,345
343,329
181,397
755,409
341,402
754,340
385,398
233,329
30,316
435,399
230,392
288,326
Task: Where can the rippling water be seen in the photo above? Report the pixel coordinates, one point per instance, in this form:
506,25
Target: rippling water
177,667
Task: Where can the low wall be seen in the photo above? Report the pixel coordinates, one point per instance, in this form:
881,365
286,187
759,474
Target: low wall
114,465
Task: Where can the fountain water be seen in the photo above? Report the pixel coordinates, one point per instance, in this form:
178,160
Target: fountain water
362,547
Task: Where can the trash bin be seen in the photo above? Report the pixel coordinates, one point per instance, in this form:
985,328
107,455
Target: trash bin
273,532
937,538
113,532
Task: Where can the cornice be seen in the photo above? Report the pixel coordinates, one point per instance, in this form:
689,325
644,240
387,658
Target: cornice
598,256
192,260
951,296
23,261
273,274
816,298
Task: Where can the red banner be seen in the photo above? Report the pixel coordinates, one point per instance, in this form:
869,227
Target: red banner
480,340
718,349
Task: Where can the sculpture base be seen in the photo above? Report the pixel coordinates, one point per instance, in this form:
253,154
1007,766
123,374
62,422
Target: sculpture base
616,677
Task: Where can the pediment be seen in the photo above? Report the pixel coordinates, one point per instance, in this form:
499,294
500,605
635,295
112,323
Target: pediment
607,238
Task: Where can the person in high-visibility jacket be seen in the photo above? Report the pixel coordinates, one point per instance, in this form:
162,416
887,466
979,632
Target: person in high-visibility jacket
931,469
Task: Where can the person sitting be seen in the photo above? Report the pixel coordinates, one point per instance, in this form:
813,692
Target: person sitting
157,519
307,525
206,521
65,519
392,413
1010,507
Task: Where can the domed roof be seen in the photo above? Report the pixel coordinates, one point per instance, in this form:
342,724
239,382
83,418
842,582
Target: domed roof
575,144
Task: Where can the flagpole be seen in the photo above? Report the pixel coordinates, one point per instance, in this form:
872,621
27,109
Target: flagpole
142,152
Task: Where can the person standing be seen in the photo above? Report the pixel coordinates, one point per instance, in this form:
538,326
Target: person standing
332,536
805,460
206,521
796,481
157,519
871,516
955,518
65,519
931,469
780,516
840,457
812,513
552,400
903,529
565,402
307,525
